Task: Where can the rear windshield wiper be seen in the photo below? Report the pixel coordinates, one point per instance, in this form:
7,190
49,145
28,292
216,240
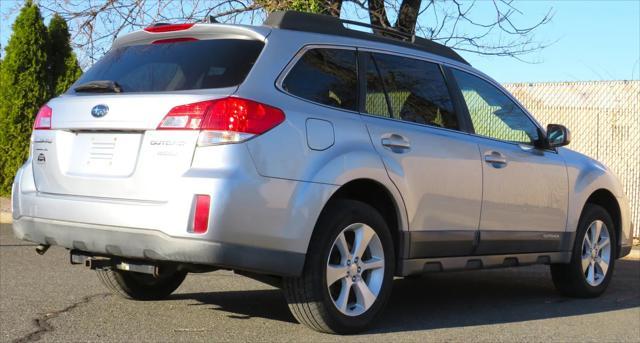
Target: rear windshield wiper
99,86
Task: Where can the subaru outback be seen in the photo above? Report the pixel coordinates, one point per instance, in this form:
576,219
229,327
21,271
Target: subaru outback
319,158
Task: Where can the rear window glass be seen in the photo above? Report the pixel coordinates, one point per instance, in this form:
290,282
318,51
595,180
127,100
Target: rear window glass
176,66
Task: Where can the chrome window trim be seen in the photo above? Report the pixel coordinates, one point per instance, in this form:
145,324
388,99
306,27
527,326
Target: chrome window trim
443,62
400,54
466,69
415,124
304,49
470,70
519,144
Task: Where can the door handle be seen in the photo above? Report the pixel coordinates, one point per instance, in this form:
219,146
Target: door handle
496,159
395,142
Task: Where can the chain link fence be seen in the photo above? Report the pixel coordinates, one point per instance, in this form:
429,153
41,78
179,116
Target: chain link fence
604,120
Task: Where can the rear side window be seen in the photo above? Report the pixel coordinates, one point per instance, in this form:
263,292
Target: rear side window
325,76
176,66
416,91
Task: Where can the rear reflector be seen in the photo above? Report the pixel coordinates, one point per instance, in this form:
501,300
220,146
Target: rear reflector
227,120
168,27
43,118
201,217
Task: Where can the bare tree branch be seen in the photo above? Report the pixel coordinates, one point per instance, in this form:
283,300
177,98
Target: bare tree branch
94,24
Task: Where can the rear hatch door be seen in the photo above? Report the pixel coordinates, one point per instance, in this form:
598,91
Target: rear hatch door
105,144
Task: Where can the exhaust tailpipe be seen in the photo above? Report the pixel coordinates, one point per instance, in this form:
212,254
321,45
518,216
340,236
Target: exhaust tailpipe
42,248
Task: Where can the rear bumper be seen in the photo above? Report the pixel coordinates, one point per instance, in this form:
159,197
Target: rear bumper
156,246
255,224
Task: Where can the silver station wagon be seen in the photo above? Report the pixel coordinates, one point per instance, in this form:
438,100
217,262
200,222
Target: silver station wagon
319,158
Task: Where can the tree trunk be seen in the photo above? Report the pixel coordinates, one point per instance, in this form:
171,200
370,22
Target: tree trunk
378,16
408,16
328,7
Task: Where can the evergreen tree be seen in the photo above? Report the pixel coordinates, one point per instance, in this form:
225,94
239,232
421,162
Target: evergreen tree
330,7
64,69
23,89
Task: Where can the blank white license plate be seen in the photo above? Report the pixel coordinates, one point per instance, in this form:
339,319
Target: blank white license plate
104,154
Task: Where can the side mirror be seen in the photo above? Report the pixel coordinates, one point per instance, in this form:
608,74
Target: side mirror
557,135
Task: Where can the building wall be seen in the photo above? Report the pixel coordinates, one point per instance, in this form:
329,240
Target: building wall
604,120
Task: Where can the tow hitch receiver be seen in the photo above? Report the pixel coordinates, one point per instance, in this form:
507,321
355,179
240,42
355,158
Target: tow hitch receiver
103,262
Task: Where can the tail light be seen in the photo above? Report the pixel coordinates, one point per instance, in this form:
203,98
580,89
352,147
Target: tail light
221,121
168,27
43,118
201,217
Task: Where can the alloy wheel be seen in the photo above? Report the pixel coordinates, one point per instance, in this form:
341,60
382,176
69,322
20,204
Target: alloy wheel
355,269
596,253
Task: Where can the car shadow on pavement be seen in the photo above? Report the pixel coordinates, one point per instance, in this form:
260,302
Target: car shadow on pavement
465,299
455,299
267,303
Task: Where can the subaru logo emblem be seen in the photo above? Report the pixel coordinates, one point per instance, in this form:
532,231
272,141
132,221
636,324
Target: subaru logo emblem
99,111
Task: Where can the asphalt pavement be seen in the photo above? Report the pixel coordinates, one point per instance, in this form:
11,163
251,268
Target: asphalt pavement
44,298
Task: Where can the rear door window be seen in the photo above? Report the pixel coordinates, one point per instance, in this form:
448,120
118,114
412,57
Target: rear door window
416,91
326,76
176,66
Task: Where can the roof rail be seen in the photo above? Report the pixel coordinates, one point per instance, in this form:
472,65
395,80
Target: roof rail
318,23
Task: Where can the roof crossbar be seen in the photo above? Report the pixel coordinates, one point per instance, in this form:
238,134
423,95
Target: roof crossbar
388,31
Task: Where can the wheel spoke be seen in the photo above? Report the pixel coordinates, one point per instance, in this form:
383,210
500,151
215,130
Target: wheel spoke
604,243
364,295
591,273
596,236
343,247
604,266
587,239
363,237
343,298
586,261
373,263
335,273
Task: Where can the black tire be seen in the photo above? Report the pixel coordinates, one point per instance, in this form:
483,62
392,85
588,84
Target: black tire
138,286
569,279
308,296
